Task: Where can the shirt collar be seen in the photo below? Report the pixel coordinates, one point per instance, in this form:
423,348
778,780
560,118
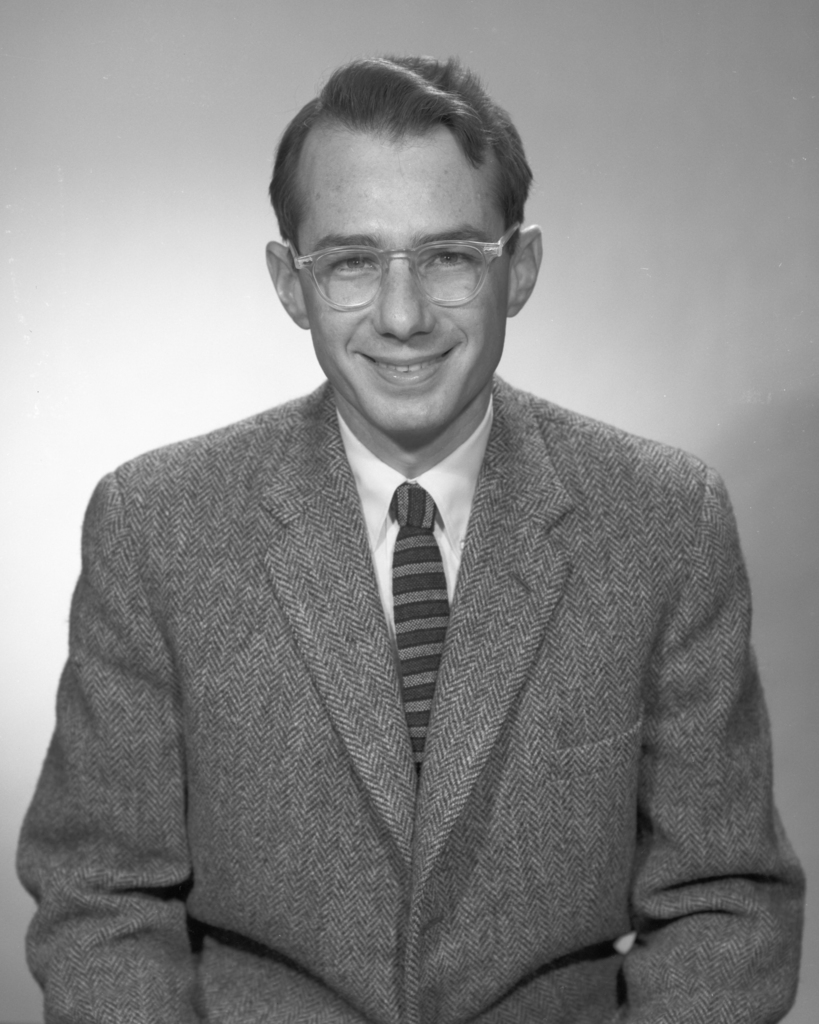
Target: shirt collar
451,482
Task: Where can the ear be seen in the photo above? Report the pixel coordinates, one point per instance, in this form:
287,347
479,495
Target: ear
524,267
287,282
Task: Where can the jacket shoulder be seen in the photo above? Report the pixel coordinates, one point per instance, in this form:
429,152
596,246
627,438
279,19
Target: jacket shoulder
224,458
170,504
623,485
591,456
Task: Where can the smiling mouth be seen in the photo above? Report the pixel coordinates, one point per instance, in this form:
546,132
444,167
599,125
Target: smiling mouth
408,367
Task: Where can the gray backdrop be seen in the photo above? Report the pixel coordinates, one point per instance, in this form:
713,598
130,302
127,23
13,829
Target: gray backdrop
676,153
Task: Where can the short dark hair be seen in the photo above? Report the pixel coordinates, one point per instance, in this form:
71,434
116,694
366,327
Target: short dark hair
397,97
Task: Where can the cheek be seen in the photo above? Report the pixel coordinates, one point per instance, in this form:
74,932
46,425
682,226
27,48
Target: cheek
328,346
486,333
331,330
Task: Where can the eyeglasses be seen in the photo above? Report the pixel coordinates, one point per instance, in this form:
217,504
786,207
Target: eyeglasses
448,273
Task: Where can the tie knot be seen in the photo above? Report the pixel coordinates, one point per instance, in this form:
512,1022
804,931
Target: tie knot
412,506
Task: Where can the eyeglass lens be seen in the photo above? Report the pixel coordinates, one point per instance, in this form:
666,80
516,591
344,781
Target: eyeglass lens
449,273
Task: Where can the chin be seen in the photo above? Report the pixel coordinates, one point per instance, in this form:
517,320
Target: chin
412,431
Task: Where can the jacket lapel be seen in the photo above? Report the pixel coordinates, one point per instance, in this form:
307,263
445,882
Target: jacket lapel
320,567
511,578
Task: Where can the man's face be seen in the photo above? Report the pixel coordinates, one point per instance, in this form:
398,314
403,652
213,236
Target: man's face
408,374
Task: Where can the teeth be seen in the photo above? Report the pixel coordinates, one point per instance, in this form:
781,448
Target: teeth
403,368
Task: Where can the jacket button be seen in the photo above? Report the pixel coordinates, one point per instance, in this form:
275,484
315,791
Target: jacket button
432,925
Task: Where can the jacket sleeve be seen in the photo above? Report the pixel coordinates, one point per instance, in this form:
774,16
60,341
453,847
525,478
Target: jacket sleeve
717,893
103,847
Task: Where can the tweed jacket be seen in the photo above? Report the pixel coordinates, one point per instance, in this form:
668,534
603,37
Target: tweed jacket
228,826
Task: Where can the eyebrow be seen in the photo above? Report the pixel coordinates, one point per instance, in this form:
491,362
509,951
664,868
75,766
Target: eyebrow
464,233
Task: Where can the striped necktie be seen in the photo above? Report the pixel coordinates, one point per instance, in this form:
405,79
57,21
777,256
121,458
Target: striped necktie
420,606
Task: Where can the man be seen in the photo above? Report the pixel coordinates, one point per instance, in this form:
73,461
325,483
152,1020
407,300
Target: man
412,700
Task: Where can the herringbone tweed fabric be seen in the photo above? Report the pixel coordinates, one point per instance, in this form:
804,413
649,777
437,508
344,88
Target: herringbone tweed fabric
420,608
227,827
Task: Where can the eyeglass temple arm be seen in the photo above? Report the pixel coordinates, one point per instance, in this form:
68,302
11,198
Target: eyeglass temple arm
299,261
496,248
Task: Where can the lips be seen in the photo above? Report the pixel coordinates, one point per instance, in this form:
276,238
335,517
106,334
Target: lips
393,367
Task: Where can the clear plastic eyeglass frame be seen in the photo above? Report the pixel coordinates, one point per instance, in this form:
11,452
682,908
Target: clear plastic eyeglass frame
489,250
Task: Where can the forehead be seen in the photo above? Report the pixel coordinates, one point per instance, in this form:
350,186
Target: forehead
393,191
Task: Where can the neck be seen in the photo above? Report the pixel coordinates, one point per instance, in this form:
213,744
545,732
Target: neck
409,454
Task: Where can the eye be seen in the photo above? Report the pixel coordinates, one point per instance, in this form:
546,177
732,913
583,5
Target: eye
351,262
451,258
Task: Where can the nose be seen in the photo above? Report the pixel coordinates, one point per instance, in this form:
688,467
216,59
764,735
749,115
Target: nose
401,308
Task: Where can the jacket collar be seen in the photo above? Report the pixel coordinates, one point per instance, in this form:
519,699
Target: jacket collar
513,573
511,577
319,564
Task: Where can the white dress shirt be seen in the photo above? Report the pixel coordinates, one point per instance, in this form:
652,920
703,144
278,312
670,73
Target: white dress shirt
451,483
